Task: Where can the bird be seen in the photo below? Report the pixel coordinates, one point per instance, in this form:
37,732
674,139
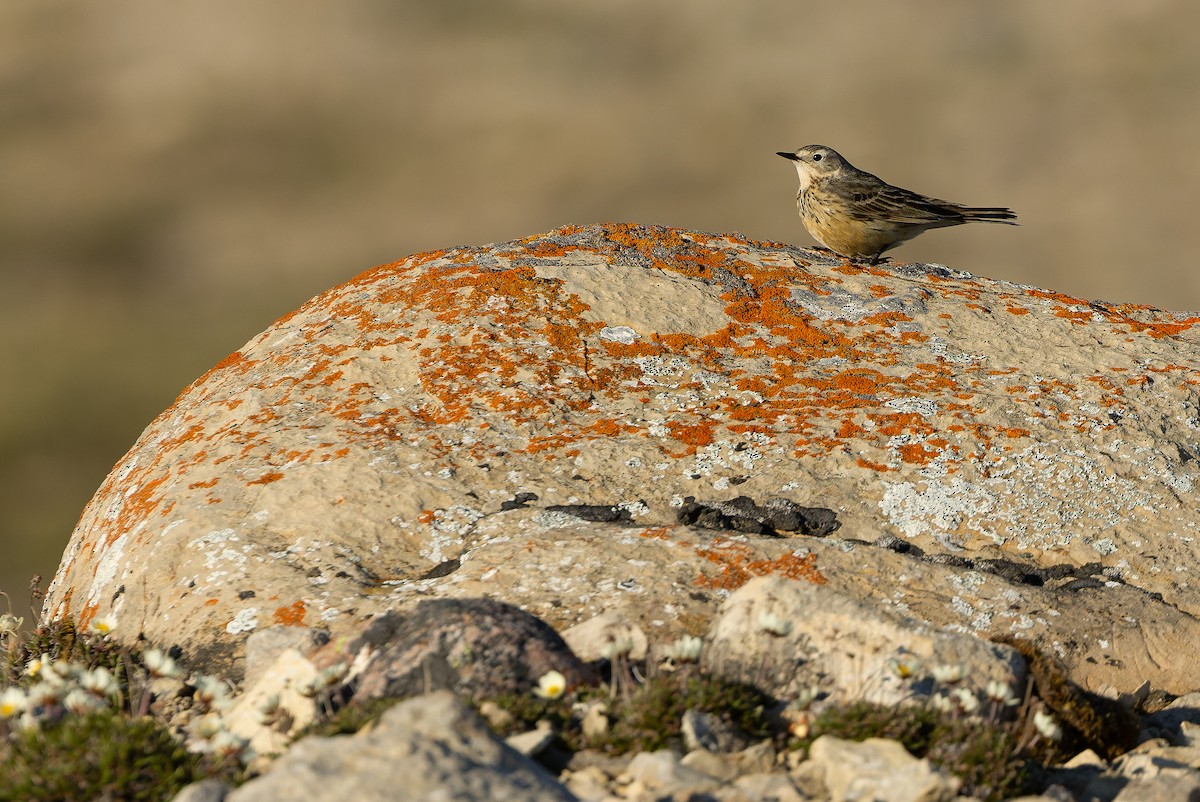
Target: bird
859,215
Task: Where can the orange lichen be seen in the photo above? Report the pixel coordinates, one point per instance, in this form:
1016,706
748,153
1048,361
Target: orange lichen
916,453
873,466
266,478
737,566
291,615
694,435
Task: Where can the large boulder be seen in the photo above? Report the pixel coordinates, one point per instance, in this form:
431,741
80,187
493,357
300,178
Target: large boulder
641,419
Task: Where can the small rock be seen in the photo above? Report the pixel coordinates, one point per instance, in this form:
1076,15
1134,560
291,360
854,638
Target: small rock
428,747
1168,722
594,723
210,790
1085,758
593,639
719,766
279,684
775,786
534,741
705,731
496,716
1184,787
662,773
880,770
758,758
478,647
590,783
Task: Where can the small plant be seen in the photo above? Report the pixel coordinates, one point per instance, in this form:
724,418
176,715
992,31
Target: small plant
349,718
651,717
100,755
74,723
983,754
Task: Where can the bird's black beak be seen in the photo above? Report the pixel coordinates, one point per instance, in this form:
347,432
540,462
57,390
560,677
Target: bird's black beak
786,155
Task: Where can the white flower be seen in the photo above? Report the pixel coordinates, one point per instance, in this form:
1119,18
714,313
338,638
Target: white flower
161,664
686,649
551,685
999,692
10,624
35,666
47,694
206,727
941,703
12,702
774,625
1047,726
949,673
211,692
62,671
270,711
227,744
618,647
904,666
966,700
324,679
103,625
80,701
333,675
99,682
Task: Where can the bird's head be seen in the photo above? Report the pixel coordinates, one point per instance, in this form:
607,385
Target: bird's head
814,162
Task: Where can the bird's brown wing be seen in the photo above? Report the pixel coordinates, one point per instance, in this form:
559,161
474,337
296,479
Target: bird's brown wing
868,200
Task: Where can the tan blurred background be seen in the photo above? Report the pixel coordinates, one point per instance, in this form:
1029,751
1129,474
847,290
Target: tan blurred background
174,176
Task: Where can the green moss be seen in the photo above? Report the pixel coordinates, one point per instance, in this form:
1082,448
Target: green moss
348,719
984,755
652,716
1089,721
915,726
103,755
527,709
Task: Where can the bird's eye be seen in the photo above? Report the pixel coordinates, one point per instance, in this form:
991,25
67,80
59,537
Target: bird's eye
817,157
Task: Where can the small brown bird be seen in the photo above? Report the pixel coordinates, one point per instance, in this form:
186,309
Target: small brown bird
860,216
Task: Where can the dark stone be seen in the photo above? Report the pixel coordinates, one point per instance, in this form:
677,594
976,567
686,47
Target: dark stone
898,545
479,648
518,501
1087,583
742,514
444,568
597,513
952,560
1013,572
788,516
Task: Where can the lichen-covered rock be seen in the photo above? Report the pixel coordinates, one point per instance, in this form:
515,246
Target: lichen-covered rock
527,420
792,637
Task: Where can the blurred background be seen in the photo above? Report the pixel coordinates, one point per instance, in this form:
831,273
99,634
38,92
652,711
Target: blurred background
175,176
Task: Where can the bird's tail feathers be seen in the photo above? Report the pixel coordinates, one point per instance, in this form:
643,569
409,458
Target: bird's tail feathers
990,214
